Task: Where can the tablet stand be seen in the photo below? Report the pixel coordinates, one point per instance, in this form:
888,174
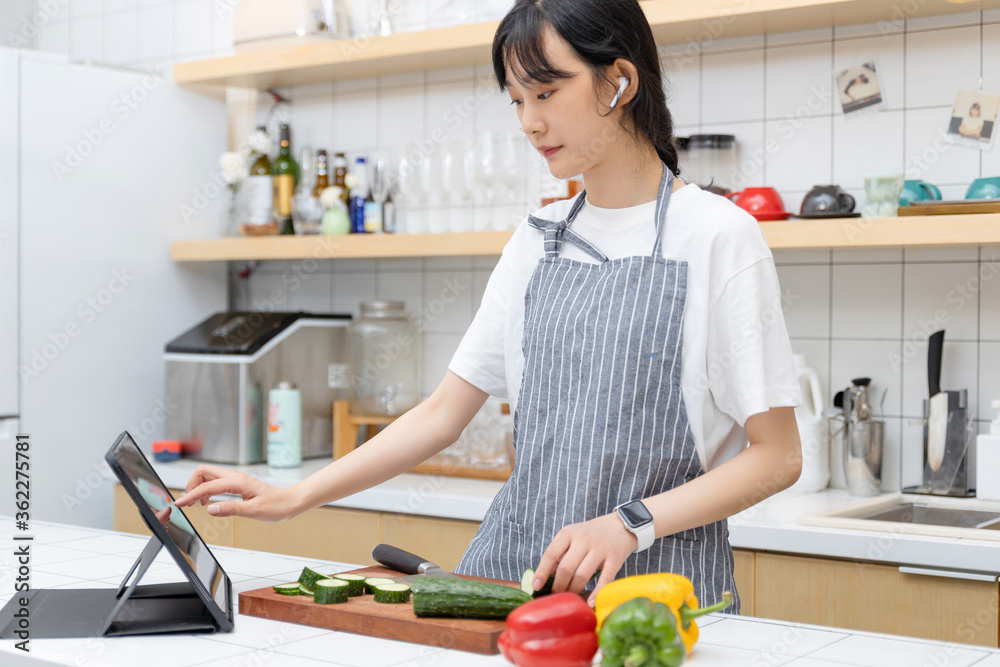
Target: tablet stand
130,609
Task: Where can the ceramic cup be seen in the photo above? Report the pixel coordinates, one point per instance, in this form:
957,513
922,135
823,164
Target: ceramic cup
823,199
918,191
883,195
984,188
761,203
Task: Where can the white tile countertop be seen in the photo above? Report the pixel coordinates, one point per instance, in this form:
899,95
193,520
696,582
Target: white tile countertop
773,525
70,557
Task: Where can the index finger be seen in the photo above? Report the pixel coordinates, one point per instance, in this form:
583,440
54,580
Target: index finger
204,473
211,488
550,559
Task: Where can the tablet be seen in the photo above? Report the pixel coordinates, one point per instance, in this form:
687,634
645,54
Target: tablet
172,528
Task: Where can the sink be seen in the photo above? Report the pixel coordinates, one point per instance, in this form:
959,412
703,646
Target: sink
937,516
917,515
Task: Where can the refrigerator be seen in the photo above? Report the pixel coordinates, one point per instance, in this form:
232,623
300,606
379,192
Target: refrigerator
100,169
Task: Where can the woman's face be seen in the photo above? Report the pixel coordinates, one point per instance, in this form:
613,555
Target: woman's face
562,119
974,111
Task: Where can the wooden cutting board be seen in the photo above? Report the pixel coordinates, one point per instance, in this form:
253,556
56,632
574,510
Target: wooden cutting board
363,616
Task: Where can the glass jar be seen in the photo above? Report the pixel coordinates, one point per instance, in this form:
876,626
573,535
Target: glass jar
711,161
386,355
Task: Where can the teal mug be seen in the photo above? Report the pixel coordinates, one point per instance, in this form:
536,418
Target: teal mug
984,188
918,191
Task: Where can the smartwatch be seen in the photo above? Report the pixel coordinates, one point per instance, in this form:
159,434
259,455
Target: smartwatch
639,522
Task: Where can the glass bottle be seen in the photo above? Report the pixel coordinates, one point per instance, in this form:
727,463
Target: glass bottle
322,173
340,177
386,356
258,191
359,196
286,175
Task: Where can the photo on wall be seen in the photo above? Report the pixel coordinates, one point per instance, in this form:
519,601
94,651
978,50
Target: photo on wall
974,119
858,88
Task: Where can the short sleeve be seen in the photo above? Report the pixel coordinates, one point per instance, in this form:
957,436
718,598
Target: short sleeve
479,359
749,357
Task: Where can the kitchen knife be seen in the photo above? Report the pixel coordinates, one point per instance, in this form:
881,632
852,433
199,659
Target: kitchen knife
404,561
937,419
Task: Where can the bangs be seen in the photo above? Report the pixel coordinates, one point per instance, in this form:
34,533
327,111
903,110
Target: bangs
519,43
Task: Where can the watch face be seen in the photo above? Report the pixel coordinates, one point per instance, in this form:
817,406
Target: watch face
635,514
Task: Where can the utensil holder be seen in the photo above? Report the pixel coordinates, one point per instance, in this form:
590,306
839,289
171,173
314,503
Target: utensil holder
863,457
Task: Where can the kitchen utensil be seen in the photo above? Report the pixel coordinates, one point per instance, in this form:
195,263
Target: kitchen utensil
984,188
883,195
918,190
404,561
761,203
711,158
827,200
946,434
863,457
362,615
937,424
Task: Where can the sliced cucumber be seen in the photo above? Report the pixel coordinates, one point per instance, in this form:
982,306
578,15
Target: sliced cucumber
356,583
288,589
308,578
305,590
372,582
526,578
331,591
392,593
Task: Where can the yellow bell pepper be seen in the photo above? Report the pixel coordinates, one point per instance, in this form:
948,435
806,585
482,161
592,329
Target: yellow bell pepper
673,590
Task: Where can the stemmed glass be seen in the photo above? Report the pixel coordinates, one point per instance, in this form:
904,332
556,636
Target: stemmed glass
485,173
510,175
410,194
457,182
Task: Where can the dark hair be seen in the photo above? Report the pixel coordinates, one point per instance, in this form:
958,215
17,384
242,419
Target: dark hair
599,31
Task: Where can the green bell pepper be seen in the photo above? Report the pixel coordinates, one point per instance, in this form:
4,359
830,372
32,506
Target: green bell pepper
641,633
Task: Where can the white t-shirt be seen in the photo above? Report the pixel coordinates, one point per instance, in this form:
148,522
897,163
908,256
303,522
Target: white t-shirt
736,359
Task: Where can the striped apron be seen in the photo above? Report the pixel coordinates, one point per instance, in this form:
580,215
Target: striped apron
600,418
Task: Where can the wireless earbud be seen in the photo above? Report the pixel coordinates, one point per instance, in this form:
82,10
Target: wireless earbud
622,85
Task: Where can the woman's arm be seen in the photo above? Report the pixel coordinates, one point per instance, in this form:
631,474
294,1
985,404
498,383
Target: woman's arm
414,437
771,463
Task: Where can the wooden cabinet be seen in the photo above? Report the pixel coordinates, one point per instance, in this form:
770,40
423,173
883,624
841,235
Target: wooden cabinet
325,533
213,529
442,541
876,598
743,571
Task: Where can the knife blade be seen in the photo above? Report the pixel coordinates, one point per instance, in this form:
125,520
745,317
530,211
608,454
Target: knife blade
937,417
404,561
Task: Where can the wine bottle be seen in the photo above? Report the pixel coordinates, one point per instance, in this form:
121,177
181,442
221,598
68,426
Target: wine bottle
389,215
258,190
322,173
286,175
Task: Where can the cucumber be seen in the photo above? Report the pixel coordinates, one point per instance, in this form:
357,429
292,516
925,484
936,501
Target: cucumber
331,591
288,589
355,583
464,598
372,582
308,578
392,593
526,578
305,590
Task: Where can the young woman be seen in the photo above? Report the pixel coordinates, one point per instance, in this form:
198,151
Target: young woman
636,331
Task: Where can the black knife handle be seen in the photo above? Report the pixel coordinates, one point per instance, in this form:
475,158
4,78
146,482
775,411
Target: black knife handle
934,352
397,559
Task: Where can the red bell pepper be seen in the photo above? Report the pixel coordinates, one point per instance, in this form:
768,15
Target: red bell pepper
551,631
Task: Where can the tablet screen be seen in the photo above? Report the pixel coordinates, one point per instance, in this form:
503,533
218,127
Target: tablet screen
154,493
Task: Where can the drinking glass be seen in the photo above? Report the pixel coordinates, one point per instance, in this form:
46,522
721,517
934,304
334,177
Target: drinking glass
485,174
380,176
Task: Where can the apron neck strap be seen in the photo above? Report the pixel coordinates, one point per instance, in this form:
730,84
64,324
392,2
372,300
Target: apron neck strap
662,200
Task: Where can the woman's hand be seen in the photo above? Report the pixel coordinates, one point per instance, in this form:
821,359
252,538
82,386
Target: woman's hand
580,549
260,501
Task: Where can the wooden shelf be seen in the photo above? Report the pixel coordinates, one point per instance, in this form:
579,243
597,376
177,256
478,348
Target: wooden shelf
295,61
914,231
352,246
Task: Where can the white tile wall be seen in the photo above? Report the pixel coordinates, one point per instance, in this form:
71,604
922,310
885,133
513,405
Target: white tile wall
860,309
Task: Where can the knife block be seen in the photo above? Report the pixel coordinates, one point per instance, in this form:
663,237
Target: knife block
347,428
951,478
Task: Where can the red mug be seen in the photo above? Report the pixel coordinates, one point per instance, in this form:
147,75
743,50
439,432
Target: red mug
761,203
